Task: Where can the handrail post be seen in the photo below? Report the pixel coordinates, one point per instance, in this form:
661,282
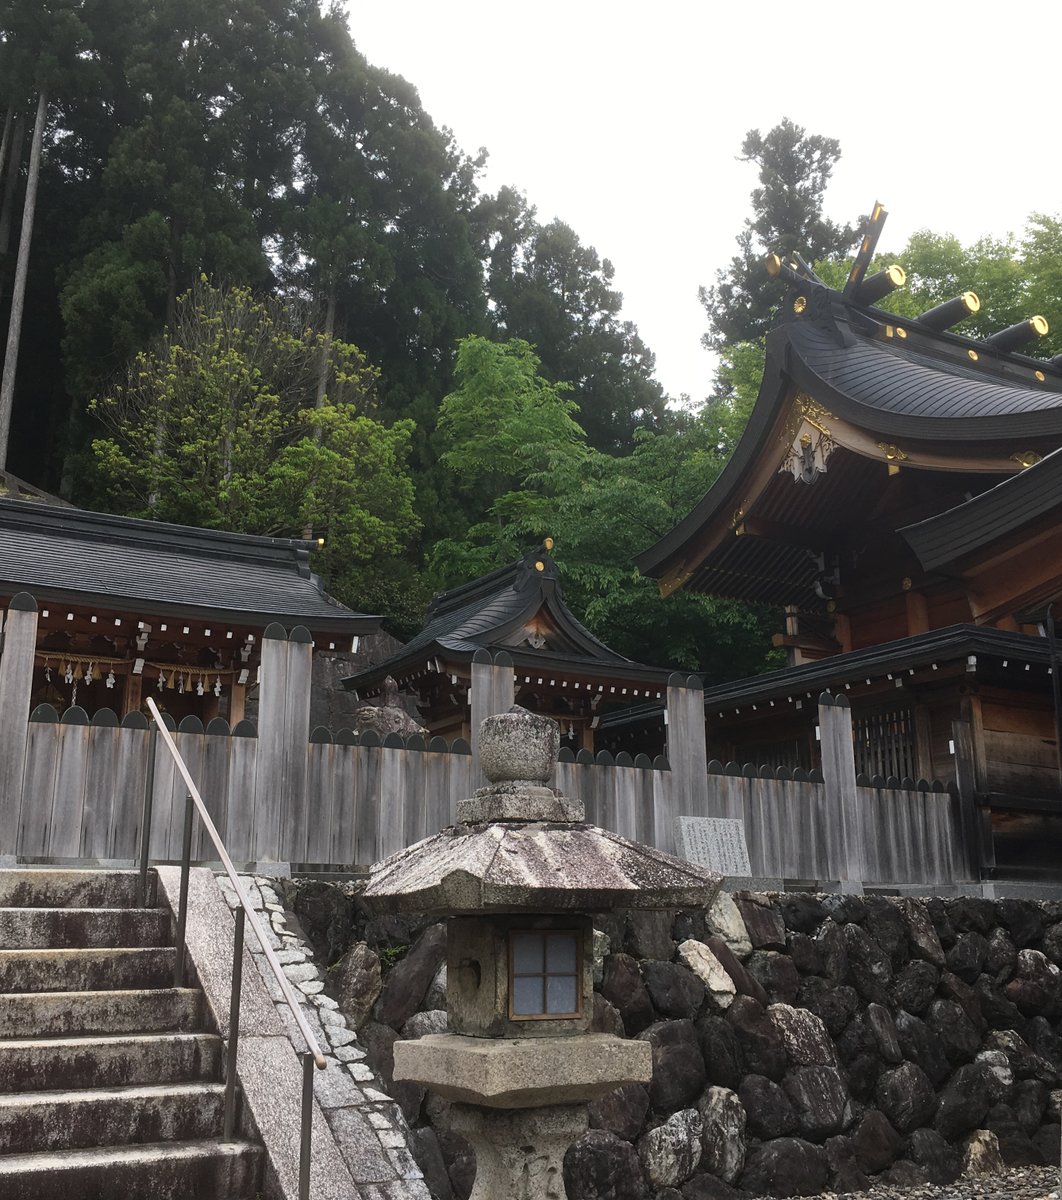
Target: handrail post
314,1057
182,908
234,1027
307,1126
145,833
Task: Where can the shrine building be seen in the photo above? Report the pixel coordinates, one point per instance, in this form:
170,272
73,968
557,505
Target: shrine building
559,668
128,608
897,494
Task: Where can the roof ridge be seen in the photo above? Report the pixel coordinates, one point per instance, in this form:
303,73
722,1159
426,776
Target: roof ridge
87,523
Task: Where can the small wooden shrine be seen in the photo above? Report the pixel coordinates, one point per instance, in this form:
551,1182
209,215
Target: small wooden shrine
897,493
129,606
560,669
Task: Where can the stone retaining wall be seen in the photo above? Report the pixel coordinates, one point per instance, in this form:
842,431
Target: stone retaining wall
801,1044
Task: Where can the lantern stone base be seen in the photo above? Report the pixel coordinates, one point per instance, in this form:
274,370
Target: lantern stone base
514,1073
519,1152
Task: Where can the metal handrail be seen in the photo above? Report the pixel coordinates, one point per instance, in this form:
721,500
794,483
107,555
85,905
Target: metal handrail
313,1056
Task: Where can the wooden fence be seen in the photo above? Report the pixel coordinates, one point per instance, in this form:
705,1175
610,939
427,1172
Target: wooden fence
74,789
362,799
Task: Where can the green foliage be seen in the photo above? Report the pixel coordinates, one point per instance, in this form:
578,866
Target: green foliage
554,292
512,438
390,956
739,376
503,423
217,427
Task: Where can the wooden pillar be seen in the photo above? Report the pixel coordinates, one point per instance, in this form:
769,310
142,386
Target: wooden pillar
283,740
237,704
16,688
970,712
974,822
294,815
917,613
843,824
132,694
687,755
923,728
272,713
492,691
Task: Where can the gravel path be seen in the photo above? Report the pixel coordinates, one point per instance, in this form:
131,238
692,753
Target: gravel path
1018,1183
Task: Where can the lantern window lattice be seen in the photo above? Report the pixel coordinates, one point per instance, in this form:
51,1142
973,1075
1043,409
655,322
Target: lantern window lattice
544,974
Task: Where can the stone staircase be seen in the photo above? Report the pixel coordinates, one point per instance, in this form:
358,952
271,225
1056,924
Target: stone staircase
110,1082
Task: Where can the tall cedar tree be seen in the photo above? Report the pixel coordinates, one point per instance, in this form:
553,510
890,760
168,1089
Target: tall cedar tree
550,290
794,169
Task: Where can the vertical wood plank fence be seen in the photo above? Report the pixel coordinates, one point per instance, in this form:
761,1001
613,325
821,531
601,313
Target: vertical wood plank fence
282,793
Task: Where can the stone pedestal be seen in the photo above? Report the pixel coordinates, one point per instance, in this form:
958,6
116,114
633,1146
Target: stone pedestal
519,1152
518,1073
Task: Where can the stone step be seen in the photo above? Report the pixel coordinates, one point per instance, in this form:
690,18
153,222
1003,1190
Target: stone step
58,928
45,1064
54,887
166,1171
73,1014
83,969
31,1122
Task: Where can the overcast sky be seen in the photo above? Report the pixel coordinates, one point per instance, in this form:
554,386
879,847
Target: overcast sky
625,119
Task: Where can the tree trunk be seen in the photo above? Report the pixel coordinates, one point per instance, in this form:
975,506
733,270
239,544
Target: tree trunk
326,348
322,369
5,138
7,205
18,295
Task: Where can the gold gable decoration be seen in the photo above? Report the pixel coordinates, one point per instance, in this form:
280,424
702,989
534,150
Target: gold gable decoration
807,438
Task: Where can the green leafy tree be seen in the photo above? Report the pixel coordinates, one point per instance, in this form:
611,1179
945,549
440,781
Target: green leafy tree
794,168
513,442
219,427
1014,278
509,437
616,508
552,291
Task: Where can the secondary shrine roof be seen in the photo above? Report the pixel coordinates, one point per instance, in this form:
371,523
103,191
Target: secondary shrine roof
518,608
954,643
1012,505
982,651
79,557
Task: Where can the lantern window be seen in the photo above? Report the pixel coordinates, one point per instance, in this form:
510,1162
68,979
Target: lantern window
545,974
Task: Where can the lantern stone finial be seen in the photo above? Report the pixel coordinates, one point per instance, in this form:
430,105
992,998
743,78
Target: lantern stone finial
519,746
517,753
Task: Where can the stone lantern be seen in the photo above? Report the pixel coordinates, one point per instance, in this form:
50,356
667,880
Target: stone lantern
518,878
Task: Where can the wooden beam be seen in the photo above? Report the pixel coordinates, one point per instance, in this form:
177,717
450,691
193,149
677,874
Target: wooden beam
237,703
917,613
132,693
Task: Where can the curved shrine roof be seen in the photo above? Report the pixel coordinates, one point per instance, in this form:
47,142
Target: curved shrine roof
957,404
906,390
489,612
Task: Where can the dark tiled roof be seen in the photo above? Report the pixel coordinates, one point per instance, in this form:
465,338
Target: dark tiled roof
902,389
119,562
952,642
1010,505
923,386
486,613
